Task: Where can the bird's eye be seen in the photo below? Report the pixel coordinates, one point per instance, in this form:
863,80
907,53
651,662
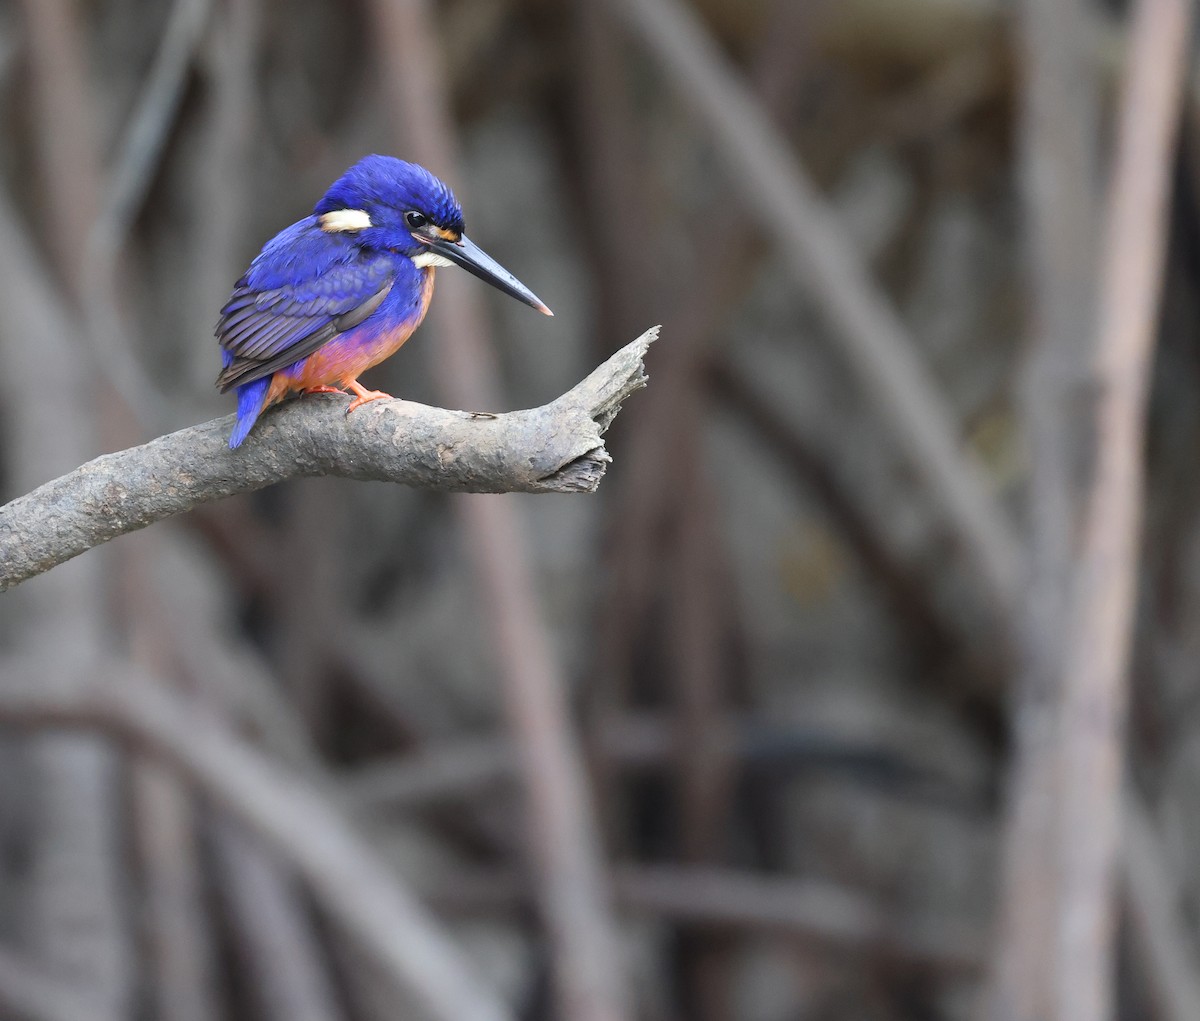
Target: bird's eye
415,220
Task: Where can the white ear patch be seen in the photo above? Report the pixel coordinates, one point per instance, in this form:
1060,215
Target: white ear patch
424,259
337,220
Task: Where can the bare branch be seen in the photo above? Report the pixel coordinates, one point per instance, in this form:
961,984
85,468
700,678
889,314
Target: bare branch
557,448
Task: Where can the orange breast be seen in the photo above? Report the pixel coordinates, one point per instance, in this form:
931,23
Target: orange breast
343,358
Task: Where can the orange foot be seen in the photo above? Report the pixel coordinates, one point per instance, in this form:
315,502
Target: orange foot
363,395
322,390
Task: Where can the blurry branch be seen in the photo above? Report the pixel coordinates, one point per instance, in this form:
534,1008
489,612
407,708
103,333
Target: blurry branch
717,899
442,770
354,887
28,994
664,489
880,351
108,330
564,847
789,209
1104,584
149,124
288,978
1060,180
229,65
266,909
1163,940
177,939
139,151
67,166
465,767
72,920
860,522
309,602
701,633
245,545
555,448
727,898
612,172
12,42
35,344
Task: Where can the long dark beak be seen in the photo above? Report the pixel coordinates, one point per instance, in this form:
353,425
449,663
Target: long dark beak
465,253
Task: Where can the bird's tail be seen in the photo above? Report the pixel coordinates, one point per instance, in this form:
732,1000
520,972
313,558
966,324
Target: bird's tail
250,406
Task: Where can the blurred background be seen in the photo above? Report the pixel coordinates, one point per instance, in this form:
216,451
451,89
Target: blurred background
778,725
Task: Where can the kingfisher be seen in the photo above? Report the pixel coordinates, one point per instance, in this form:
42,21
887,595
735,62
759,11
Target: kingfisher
342,289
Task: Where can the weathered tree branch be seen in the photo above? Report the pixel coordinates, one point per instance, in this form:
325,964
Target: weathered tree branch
556,448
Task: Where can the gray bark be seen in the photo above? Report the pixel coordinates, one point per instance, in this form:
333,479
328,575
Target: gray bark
556,448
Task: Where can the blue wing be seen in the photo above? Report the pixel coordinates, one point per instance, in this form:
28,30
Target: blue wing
304,288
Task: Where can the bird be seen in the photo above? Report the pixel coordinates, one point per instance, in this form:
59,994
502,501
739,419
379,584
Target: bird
342,289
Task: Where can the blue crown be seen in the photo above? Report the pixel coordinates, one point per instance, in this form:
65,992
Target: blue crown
388,181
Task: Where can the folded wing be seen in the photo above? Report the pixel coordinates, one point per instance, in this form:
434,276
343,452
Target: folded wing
304,289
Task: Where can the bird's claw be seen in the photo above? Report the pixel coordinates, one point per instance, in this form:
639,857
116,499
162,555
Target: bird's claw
364,396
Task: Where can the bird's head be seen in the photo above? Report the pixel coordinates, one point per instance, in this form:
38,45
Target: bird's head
387,204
